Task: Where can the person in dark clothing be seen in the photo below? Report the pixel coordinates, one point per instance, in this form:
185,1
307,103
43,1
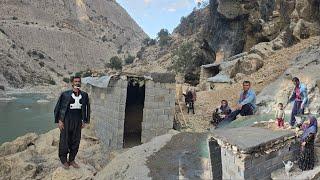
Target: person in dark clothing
307,157
300,97
221,113
190,98
72,113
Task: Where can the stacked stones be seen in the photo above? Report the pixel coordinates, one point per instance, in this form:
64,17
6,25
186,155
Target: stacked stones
159,107
108,106
108,112
256,165
241,159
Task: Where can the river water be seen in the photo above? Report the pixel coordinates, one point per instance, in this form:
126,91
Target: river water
24,115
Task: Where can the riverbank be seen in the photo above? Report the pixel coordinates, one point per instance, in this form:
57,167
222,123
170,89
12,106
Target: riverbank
50,91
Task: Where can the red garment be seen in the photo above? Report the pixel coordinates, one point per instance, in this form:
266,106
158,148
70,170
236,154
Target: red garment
280,122
298,94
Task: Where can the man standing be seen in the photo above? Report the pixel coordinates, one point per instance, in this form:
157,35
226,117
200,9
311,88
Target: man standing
300,97
72,113
246,104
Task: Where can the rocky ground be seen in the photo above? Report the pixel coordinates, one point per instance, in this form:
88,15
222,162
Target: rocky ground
36,157
281,41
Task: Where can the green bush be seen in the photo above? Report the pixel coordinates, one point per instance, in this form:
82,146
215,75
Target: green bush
66,80
163,37
188,60
129,59
183,58
41,64
87,73
79,74
52,82
115,63
146,41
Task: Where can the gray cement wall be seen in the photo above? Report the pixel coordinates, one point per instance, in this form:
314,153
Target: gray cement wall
251,167
108,113
158,112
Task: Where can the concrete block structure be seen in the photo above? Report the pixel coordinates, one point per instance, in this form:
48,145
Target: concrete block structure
250,152
128,110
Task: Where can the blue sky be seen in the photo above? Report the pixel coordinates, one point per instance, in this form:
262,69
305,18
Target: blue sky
153,15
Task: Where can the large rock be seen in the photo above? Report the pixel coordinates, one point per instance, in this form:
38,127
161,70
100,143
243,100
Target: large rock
18,145
304,29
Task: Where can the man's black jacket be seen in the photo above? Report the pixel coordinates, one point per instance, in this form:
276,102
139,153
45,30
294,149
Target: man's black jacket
63,105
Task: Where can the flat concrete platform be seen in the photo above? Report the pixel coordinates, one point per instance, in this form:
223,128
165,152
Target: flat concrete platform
248,139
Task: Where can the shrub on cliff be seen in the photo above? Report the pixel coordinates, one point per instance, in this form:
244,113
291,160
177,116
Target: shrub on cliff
129,59
115,63
163,37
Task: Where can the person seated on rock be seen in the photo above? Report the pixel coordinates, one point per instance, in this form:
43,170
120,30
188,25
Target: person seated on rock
247,102
307,157
300,97
221,113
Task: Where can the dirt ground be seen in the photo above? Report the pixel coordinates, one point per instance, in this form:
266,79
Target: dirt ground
274,66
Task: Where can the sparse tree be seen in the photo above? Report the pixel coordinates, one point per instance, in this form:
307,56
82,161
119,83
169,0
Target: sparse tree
163,37
129,59
115,63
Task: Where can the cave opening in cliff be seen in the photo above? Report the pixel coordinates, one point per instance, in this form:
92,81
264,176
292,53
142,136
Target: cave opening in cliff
134,112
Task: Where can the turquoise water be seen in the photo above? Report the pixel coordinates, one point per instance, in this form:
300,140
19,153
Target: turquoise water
24,115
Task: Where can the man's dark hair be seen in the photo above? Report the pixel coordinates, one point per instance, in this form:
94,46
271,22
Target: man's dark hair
280,104
75,77
224,101
295,79
246,82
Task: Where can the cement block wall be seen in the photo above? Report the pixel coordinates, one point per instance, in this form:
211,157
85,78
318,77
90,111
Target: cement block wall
108,112
159,107
251,167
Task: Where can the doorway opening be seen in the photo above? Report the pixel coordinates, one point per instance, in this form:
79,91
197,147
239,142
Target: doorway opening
134,112
215,157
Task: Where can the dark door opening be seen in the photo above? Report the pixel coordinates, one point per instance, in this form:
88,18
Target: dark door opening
215,157
134,112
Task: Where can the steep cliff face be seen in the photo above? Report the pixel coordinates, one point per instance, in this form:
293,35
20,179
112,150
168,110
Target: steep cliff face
73,34
232,27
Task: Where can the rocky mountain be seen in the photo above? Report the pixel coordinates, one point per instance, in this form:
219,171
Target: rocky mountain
228,28
41,41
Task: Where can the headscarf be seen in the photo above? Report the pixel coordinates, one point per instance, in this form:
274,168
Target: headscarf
312,128
225,109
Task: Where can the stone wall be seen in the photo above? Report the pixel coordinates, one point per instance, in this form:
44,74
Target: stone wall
159,107
248,166
108,112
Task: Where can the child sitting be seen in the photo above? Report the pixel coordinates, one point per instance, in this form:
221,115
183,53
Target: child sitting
280,115
221,113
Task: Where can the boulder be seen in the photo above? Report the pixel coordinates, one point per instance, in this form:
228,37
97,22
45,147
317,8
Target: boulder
18,145
262,49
